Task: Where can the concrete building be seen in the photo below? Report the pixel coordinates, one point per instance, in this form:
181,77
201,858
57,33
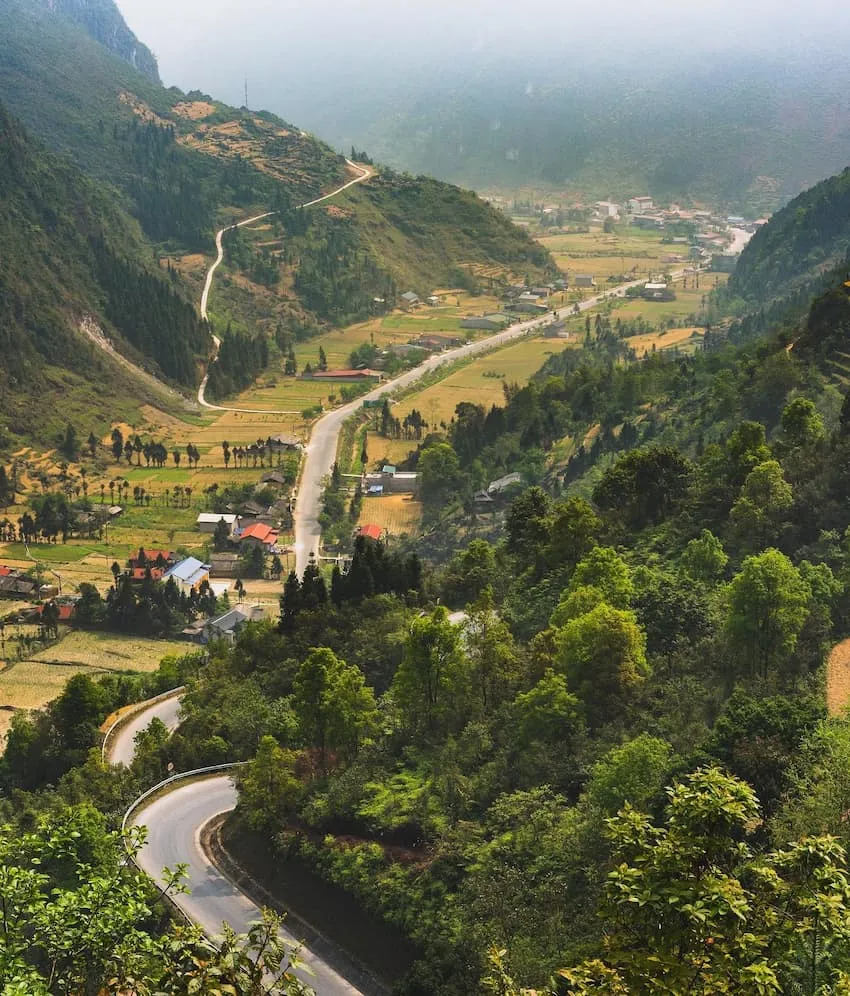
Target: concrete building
607,209
207,522
640,205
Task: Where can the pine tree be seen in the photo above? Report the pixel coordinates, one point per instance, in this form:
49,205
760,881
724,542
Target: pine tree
69,446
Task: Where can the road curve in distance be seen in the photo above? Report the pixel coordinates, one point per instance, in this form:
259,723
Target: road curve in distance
362,174
321,449
175,821
121,747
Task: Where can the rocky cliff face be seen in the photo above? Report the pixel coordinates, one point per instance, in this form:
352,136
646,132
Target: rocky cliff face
104,22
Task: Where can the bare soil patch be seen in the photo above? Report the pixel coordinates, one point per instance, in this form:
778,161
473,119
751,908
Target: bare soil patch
838,678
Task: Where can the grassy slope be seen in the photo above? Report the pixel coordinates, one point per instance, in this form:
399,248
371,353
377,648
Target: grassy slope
48,281
90,105
421,230
68,90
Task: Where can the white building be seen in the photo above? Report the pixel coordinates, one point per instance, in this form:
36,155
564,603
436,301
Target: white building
207,521
608,209
640,205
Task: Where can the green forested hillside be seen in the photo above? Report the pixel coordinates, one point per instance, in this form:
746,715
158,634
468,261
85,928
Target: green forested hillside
70,252
121,127
183,164
800,245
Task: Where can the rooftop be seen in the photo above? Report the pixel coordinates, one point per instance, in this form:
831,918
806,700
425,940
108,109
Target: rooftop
189,571
365,372
370,531
259,531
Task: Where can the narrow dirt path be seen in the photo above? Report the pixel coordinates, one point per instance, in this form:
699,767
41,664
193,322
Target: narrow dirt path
838,678
364,174
90,328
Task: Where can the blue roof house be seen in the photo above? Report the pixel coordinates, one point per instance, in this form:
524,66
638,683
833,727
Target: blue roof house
188,574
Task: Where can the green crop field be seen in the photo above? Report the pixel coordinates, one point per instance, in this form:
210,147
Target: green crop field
480,381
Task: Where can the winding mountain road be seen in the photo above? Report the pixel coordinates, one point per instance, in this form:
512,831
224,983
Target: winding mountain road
175,822
121,747
322,446
363,174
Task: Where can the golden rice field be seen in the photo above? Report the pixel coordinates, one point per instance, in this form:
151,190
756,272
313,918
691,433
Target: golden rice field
642,344
397,514
480,381
32,684
111,652
634,253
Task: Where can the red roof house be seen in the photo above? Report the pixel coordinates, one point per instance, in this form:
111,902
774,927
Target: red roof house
139,573
260,533
370,532
151,557
66,611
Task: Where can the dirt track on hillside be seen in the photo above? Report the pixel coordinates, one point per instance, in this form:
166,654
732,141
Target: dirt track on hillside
838,678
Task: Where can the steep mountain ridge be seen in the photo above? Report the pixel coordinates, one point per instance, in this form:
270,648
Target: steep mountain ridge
747,133
165,170
186,163
71,254
801,244
104,22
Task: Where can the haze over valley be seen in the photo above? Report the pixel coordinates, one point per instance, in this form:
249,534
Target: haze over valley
424,536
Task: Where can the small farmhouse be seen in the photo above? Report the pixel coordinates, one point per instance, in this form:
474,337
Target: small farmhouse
584,280
224,565
343,376
491,323
259,534
207,522
188,574
228,626
151,558
390,482
526,308
283,443
657,291
436,343
409,301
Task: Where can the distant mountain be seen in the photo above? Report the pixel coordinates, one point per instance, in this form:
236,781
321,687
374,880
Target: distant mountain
743,132
104,22
73,261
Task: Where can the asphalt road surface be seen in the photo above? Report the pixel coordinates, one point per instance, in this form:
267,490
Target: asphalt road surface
121,746
322,447
175,821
